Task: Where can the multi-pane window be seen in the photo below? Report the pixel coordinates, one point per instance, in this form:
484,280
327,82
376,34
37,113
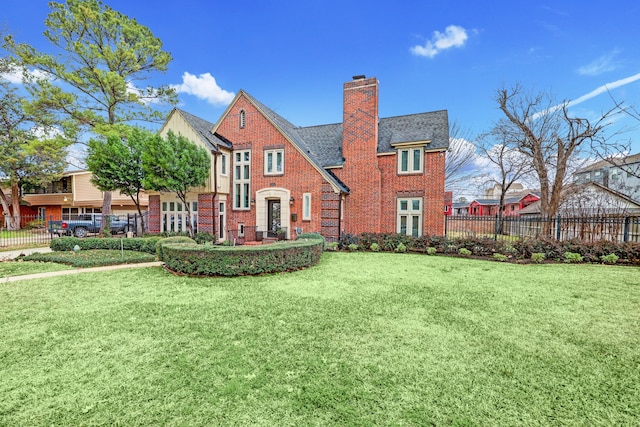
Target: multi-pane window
242,120
274,162
306,206
175,218
242,179
410,216
410,160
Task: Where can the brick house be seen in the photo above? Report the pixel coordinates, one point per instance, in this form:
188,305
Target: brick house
366,174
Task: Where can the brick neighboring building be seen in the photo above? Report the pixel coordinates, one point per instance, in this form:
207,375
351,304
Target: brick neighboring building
366,174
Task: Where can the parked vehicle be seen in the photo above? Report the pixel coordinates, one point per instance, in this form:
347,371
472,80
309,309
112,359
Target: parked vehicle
82,225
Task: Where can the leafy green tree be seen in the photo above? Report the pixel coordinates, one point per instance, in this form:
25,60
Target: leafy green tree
116,162
32,148
175,164
99,59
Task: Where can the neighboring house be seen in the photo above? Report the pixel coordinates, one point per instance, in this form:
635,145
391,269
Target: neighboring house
621,175
516,199
461,208
366,174
494,192
590,199
448,203
484,207
74,194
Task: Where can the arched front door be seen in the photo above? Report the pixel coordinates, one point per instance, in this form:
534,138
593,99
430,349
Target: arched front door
273,211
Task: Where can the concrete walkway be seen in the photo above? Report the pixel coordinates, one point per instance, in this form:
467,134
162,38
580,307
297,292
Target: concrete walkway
79,270
7,255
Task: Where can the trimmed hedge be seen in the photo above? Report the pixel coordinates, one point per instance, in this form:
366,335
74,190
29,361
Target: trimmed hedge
138,244
173,239
522,249
92,258
202,260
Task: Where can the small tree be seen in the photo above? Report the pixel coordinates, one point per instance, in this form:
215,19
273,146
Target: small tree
501,151
175,164
116,162
461,155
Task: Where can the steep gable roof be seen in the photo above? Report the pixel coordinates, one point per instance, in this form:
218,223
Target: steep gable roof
322,144
292,133
204,129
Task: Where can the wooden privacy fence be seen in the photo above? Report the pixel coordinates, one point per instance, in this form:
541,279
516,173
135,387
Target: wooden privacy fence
613,228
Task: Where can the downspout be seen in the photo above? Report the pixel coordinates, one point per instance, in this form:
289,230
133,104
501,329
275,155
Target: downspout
215,193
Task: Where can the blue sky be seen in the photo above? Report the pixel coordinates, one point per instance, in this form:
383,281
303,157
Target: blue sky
294,56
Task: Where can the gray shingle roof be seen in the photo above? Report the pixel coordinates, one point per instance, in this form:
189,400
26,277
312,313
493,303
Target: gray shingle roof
204,128
323,143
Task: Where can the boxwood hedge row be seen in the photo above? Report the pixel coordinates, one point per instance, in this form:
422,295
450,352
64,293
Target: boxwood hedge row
204,260
139,244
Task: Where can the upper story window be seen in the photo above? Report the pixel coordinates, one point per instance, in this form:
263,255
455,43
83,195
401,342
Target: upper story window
242,120
242,179
274,162
411,160
223,164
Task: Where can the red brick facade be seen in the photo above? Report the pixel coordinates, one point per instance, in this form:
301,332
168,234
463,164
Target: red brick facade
154,214
358,193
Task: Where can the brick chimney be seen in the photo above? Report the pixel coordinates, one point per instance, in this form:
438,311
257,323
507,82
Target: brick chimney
359,149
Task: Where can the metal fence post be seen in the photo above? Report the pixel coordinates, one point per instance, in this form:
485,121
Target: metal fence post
495,229
446,222
558,227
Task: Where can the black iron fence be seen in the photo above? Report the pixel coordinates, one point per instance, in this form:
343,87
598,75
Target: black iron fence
34,230
613,228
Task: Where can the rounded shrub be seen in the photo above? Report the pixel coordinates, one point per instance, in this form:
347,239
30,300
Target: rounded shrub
169,240
201,260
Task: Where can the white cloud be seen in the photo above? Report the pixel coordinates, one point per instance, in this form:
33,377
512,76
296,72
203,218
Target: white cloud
599,66
204,87
15,76
453,36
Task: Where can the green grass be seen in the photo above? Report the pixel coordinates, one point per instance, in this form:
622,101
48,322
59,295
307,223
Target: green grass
360,339
20,268
92,258
5,234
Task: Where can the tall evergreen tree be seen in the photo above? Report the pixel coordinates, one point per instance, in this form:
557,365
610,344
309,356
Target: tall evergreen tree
95,75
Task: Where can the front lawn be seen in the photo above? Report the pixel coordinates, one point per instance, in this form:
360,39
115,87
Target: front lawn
20,268
360,339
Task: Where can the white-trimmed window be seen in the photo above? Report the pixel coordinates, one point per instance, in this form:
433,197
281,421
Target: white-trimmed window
274,162
410,216
224,160
175,219
242,179
410,160
306,207
222,222
242,119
